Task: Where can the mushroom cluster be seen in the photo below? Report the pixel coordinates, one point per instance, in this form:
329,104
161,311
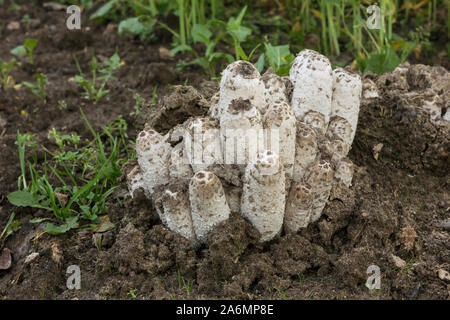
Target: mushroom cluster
271,149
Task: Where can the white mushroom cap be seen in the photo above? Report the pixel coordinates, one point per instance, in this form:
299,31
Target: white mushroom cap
320,178
209,205
347,88
306,150
311,76
135,180
344,172
316,120
175,212
263,197
298,207
339,150
280,117
241,132
274,88
153,154
241,80
340,128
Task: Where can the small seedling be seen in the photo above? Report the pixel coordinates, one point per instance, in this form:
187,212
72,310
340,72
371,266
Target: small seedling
62,104
6,80
38,88
132,293
301,278
281,294
155,96
9,228
94,90
26,49
203,34
99,243
185,284
138,105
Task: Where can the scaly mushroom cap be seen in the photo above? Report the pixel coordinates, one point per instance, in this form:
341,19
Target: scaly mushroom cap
153,154
209,205
281,118
344,172
298,207
347,88
241,132
241,80
263,196
174,211
339,128
306,150
320,177
312,78
316,120
274,88
135,180
339,150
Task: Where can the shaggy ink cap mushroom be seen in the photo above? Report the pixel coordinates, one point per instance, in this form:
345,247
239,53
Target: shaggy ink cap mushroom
306,150
311,77
281,118
347,88
298,207
241,79
209,205
263,196
320,177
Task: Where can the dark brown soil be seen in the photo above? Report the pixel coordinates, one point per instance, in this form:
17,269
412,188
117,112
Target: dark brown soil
397,207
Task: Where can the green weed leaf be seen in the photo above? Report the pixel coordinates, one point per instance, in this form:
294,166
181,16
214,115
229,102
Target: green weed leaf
22,199
69,224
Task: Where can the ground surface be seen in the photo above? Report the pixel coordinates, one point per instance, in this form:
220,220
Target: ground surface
397,208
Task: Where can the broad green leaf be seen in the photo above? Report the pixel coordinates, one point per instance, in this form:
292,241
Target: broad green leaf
69,224
22,199
240,33
133,26
30,44
382,62
19,51
277,55
201,33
